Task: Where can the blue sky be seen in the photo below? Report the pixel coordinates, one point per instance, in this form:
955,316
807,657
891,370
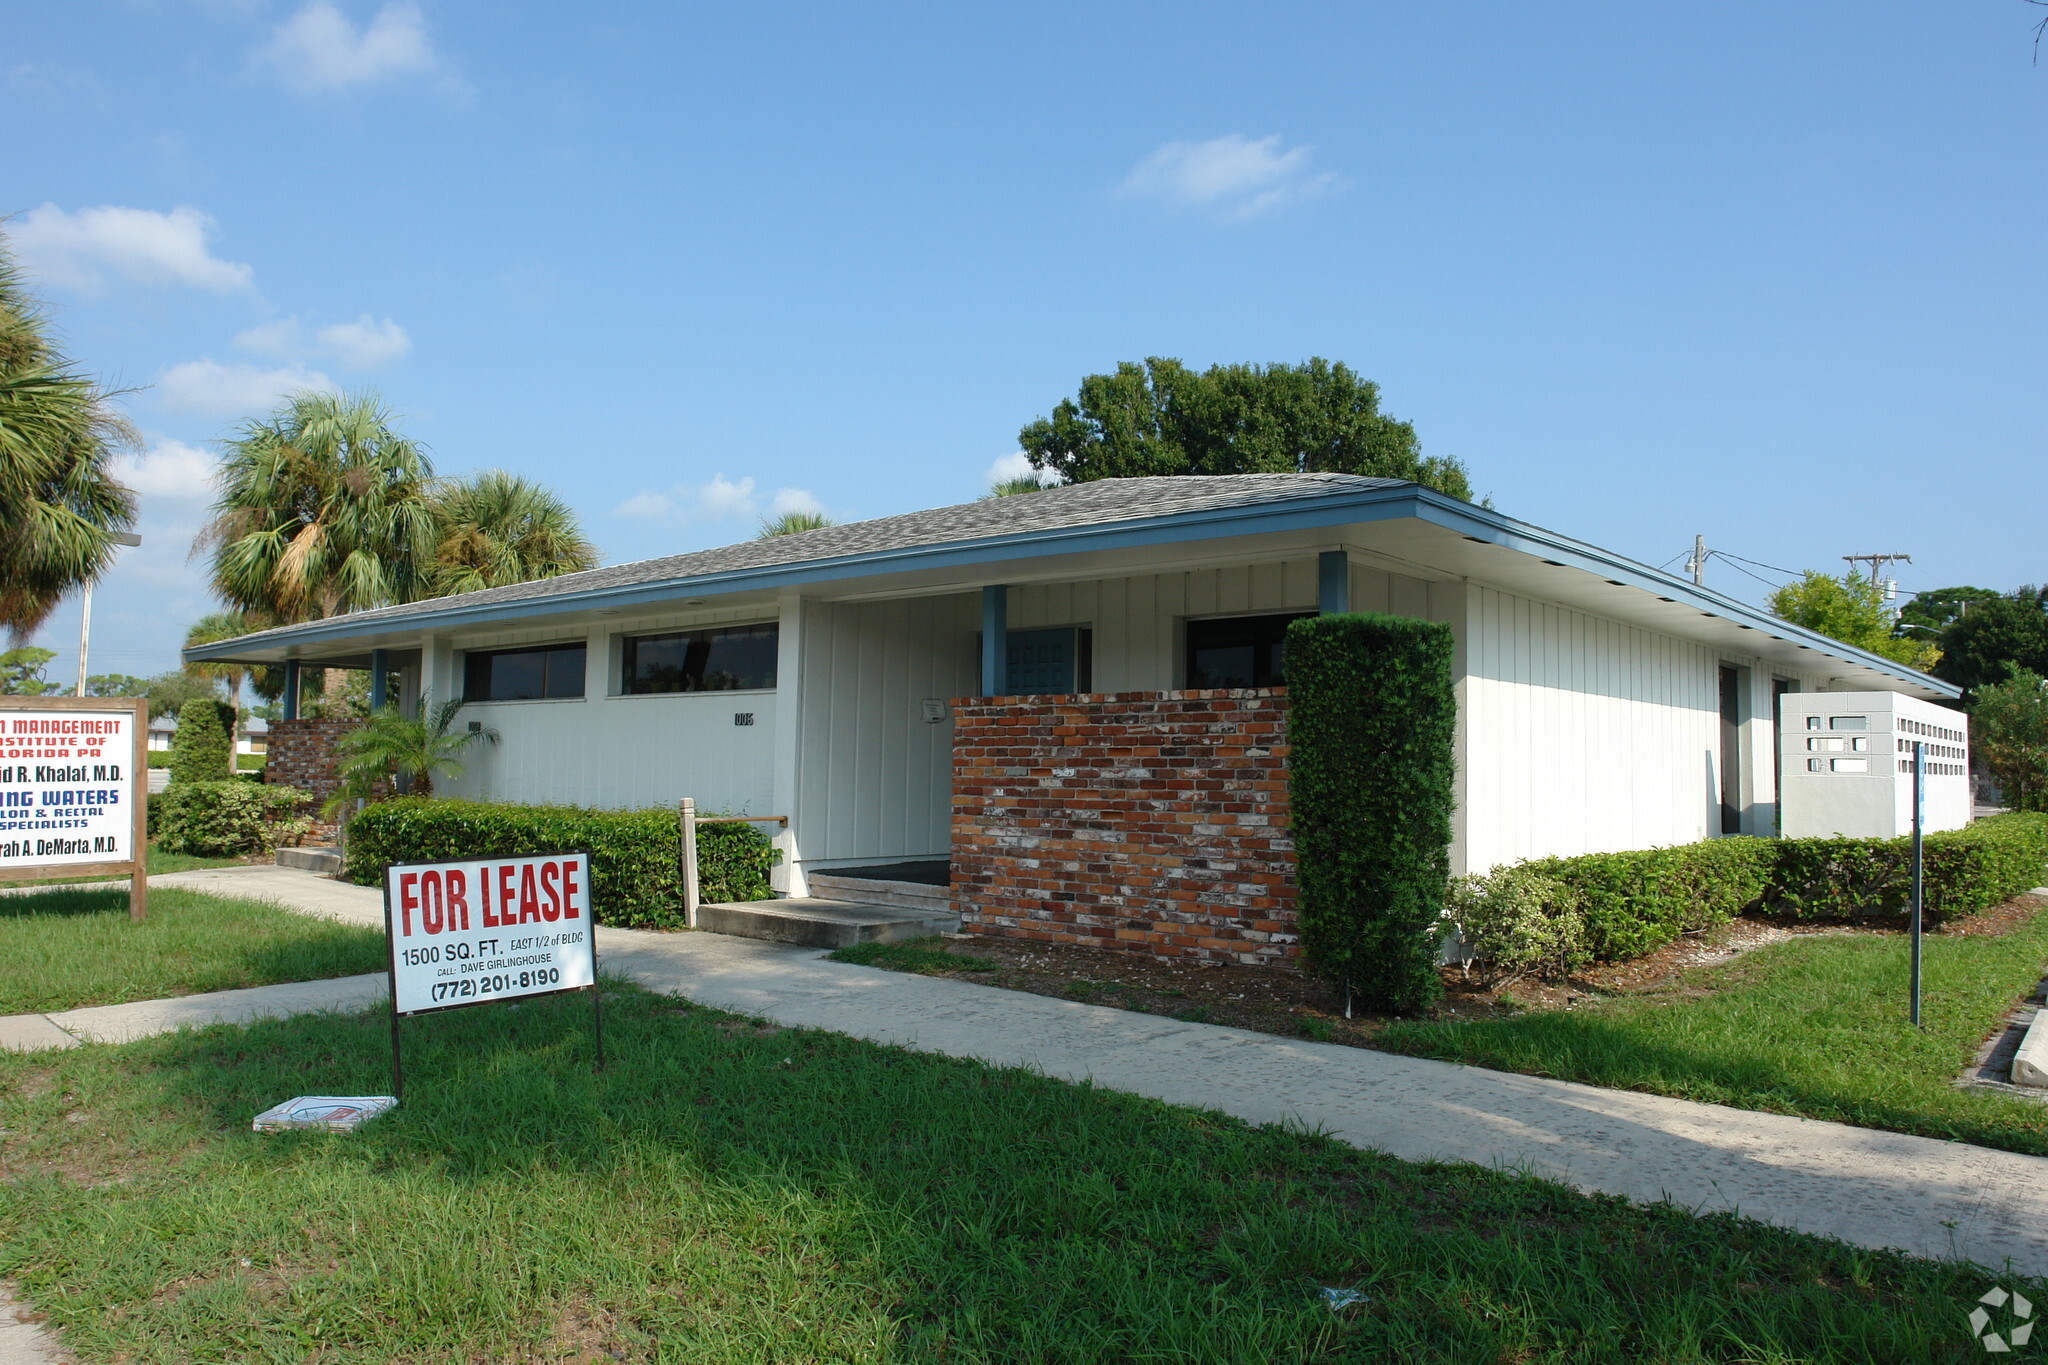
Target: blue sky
1772,273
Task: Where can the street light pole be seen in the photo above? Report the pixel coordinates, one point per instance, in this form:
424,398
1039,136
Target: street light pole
85,613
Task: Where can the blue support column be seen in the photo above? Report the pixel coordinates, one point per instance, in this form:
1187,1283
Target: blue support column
995,640
291,689
1333,582
380,665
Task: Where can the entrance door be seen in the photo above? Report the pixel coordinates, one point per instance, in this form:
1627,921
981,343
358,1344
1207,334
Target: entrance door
1731,749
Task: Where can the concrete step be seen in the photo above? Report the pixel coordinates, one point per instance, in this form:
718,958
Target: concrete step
920,896
311,859
816,922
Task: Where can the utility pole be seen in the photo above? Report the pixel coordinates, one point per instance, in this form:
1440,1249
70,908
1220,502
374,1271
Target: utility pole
1697,565
1877,563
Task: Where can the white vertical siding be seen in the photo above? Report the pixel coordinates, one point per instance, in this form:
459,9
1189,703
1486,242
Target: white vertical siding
1586,735
874,778
626,752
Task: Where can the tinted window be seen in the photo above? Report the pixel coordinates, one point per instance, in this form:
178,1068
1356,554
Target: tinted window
1239,651
555,671
727,659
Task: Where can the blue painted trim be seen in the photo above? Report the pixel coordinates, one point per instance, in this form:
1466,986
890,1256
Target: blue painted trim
995,639
1333,582
380,666
1352,507
291,689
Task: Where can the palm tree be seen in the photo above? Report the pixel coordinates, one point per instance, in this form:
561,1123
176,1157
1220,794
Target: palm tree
495,528
1010,488
323,508
223,625
59,505
415,749
789,523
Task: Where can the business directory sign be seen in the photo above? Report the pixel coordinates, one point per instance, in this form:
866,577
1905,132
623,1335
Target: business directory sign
73,787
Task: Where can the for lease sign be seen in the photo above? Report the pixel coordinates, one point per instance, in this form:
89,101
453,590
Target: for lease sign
67,787
463,933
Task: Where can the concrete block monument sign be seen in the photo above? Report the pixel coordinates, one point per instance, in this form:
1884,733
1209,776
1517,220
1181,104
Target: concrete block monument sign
482,930
73,790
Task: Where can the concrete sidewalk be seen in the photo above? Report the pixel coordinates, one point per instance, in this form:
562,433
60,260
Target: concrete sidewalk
1866,1187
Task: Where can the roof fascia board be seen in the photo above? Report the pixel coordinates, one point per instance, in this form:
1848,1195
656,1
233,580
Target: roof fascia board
1490,527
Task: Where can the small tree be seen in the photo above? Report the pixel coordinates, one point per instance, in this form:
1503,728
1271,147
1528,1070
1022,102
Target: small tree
2009,729
413,749
1850,609
21,672
1371,716
203,749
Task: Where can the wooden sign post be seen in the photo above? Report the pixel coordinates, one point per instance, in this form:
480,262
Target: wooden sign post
74,790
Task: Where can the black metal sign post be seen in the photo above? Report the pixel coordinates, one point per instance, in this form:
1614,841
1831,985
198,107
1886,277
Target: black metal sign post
508,991
1919,782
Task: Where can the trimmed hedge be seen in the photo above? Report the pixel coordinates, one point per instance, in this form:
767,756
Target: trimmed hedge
226,819
202,749
1371,717
1551,916
635,881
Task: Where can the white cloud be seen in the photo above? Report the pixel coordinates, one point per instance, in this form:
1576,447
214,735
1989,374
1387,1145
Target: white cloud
80,249
318,49
279,340
1233,176
1017,465
719,499
364,344
169,471
209,388
787,500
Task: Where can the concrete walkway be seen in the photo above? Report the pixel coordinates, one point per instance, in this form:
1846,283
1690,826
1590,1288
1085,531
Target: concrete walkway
1866,1187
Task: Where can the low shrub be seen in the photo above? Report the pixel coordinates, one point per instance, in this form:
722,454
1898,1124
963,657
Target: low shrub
226,819
1963,871
635,879
1551,916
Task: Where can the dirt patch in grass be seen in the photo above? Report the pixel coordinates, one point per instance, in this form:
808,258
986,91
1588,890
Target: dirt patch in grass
1282,1001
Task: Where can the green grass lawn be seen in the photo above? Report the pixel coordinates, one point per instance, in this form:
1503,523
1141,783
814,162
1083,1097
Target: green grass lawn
63,949
1816,1026
733,1193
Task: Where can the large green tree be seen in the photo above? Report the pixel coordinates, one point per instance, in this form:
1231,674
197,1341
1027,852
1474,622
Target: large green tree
494,528
1986,643
60,507
1929,613
2009,731
1851,609
1164,418
323,507
21,672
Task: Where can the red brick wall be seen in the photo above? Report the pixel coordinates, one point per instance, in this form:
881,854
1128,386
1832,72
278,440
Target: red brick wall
1149,821
301,754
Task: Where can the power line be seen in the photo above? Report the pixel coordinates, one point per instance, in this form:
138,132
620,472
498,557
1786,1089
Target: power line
1739,569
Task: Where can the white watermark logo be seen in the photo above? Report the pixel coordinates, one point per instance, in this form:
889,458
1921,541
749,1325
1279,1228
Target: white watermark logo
2019,1311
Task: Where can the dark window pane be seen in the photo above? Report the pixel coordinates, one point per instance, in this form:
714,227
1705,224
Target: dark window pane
565,671
524,674
1239,651
517,677
727,659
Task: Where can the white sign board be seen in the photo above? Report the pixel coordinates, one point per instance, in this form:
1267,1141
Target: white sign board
69,789
465,933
